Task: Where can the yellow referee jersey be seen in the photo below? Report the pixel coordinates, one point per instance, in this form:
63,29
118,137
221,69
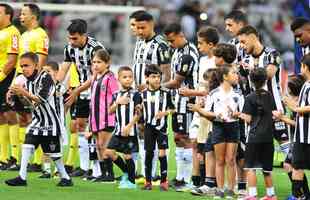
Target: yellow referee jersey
9,43
74,77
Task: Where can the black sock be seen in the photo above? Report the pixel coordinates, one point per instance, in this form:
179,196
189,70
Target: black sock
241,185
163,168
297,188
290,176
103,167
131,170
211,182
109,166
121,164
305,186
196,180
202,172
148,165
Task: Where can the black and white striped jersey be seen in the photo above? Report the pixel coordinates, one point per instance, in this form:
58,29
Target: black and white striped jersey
45,120
154,102
185,62
240,51
302,127
305,50
152,51
82,57
269,56
125,113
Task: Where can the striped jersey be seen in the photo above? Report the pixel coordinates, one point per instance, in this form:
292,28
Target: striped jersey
125,113
152,51
82,58
240,51
303,120
224,103
305,50
154,102
267,57
102,89
45,120
185,62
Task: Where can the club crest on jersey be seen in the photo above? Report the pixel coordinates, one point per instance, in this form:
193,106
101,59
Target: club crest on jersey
52,146
185,67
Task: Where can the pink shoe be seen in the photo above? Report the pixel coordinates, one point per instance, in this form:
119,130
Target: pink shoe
269,198
249,198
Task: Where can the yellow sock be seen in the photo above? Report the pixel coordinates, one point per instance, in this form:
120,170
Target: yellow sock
73,149
4,141
22,134
38,156
14,140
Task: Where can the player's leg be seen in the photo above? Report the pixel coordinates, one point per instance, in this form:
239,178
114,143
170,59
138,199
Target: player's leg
162,141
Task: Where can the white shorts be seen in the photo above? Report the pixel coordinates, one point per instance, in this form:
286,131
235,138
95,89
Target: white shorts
194,127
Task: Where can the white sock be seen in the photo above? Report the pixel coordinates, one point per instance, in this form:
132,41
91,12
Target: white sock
270,191
252,191
47,167
187,164
154,163
84,152
179,162
27,151
96,169
135,157
142,156
61,169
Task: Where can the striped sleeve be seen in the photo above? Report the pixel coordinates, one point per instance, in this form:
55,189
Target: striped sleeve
185,66
45,84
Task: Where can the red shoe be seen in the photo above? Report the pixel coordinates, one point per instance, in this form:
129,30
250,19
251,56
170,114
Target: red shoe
147,186
164,186
269,197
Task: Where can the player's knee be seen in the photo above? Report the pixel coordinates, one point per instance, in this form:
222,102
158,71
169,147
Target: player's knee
220,160
162,152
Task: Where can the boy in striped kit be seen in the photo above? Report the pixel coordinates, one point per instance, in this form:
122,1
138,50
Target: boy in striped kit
127,108
46,127
157,105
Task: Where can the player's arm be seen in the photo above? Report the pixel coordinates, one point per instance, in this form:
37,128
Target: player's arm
42,60
271,70
163,56
192,93
63,70
274,62
42,46
280,116
8,66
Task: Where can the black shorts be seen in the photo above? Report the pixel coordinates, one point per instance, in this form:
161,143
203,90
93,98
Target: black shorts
126,145
50,144
209,146
18,106
300,156
225,132
181,122
280,132
80,108
259,156
4,87
153,136
92,148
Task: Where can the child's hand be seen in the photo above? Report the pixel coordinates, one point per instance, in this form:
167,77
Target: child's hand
194,107
276,115
87,135
123,100
160,115
126,131
138,110
142,87
290,103
236,114
184,91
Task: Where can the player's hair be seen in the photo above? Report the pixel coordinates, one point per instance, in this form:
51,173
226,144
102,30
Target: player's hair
77,26
298,23
295,84
53,65
144,16
306,60
8,10
30,55
173,28
247,30
209,34
237,16
226,51
102,55
223,70
152,69
35,10
137,13
258,77
124,68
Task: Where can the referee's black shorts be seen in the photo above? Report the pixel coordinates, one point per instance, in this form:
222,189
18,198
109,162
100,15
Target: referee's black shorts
4,87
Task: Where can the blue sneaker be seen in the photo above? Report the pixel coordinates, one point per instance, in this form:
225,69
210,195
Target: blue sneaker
127,185
124,179
291,197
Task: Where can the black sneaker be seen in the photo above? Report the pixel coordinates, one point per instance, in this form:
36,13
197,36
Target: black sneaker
35,168
69,169
156,178
65,183
14,167
78,172
105,179
3,166
18,181
89,178
45,175
87,174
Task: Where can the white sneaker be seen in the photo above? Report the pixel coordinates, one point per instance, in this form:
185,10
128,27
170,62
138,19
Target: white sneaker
203,190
